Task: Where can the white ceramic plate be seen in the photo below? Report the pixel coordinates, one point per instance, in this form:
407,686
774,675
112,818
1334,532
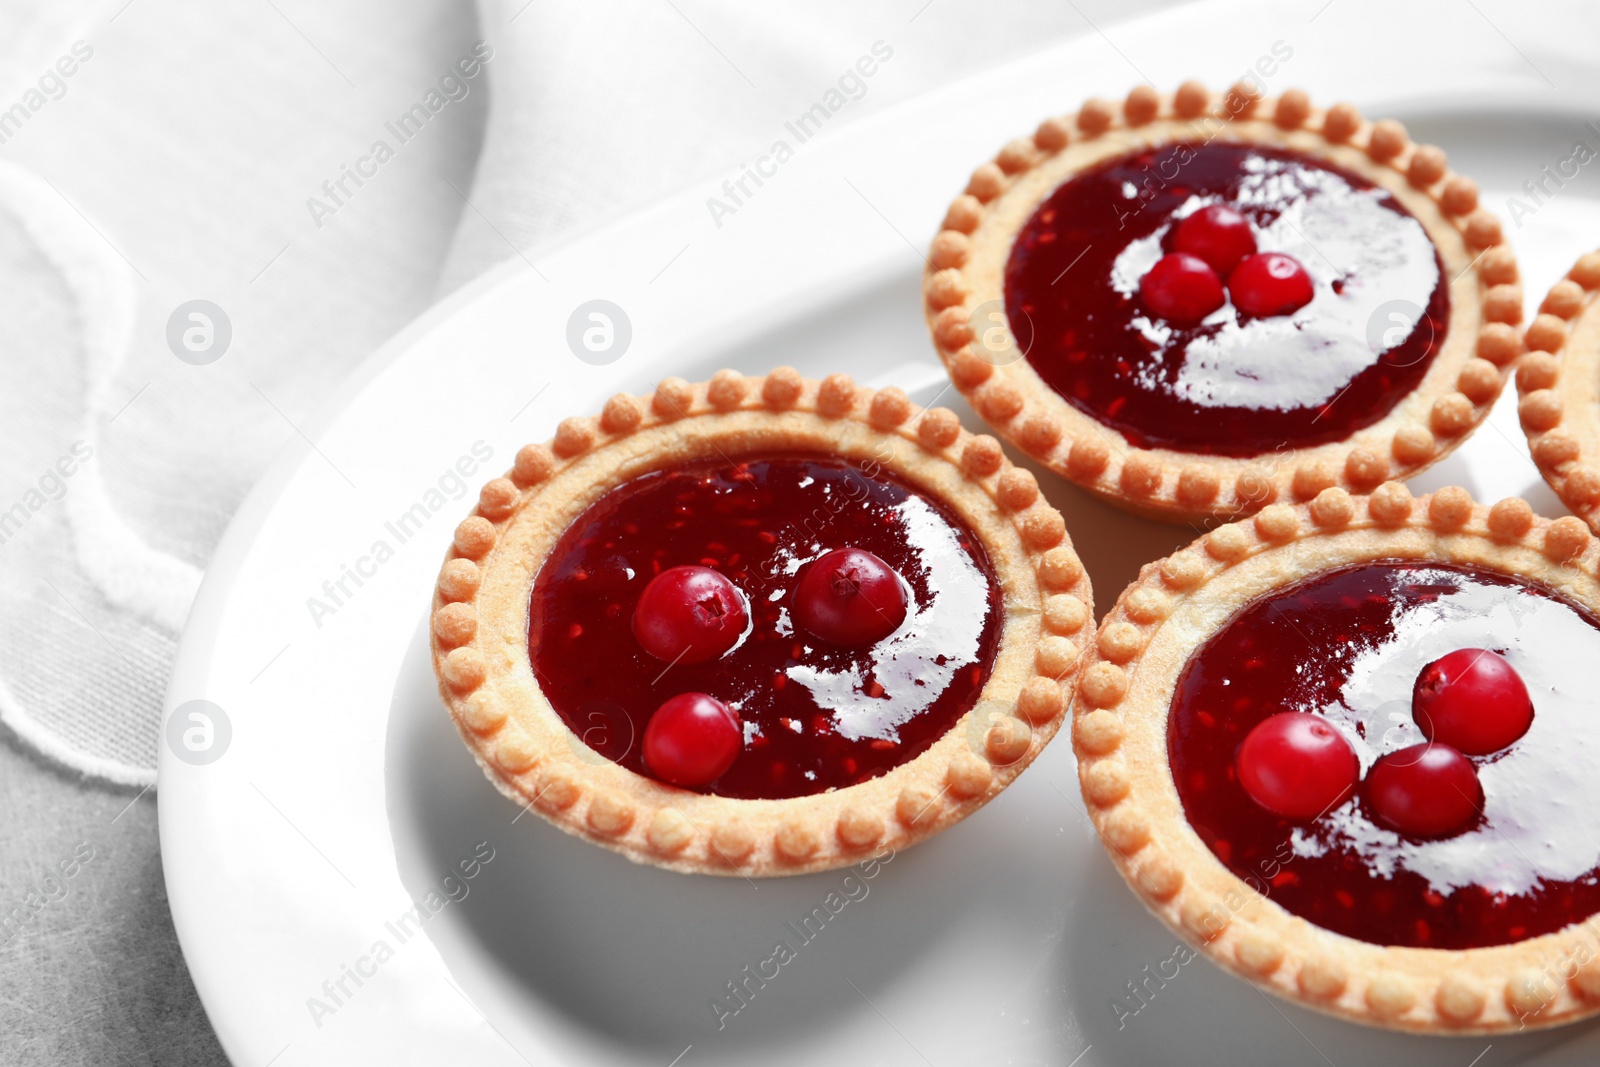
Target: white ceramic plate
344,799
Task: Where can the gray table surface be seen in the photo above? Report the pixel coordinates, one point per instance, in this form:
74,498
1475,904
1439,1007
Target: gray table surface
94,974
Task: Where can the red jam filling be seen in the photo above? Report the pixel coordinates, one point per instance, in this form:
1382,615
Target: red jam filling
1519,859
1299,368
816,714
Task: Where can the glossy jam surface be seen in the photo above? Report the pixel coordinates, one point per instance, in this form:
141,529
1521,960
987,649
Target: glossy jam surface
1348,646
1232,384
816,716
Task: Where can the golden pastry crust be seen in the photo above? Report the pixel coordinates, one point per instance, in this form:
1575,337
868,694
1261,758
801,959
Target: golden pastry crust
480,624
964,281
1120,735
1558,387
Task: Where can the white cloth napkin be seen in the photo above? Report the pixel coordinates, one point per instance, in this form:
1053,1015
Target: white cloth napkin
602,106
210,158
175,162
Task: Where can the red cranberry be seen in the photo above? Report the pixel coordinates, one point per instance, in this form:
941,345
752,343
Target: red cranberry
689,615
1217,234
1181,289
1473,701
1427,790
692,740
1296,765
1269,283
850,597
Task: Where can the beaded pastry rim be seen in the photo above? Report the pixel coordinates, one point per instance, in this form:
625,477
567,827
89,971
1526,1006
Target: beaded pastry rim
966,267
1558,387
1120,736
480,632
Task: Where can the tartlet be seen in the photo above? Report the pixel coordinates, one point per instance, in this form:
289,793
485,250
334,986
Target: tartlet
1347,915
1186,418
568,514
1558,385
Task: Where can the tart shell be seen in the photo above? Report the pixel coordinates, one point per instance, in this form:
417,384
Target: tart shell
1558,386
487,680
1120,736
964,299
